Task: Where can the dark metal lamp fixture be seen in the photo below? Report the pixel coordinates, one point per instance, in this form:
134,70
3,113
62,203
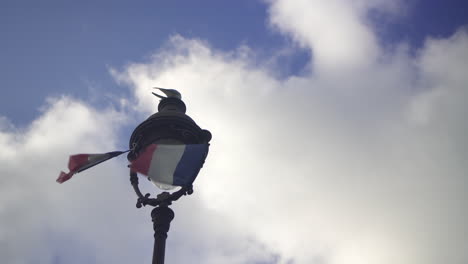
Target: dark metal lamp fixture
169,126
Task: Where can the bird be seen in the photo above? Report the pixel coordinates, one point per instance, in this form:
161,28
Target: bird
170,93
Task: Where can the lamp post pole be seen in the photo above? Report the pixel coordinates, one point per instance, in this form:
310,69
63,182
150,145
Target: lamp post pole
162,217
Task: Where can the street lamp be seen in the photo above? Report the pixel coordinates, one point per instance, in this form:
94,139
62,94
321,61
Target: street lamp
169,126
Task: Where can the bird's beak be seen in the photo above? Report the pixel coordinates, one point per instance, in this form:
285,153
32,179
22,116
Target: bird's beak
157,95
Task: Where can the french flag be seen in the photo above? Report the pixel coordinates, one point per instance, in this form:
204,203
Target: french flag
80,162
176,165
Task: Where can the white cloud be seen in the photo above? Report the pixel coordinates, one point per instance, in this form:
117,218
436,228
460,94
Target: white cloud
35,209
334,30
363,160
332,167
92,218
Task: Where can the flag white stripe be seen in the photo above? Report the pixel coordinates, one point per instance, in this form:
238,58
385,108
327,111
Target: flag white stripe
93,159
164,163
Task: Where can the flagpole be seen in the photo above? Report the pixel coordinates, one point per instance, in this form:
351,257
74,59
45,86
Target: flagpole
162,217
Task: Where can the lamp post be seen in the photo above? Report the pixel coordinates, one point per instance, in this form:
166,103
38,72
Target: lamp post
169,126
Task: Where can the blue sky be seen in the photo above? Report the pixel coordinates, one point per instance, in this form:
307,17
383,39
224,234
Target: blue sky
66,47
339,132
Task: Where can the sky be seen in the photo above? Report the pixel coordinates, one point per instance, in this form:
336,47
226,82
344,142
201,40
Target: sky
338,129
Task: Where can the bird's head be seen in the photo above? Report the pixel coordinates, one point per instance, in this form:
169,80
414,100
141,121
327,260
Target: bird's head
170,93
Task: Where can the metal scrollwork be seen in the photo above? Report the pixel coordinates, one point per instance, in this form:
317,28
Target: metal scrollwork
163,198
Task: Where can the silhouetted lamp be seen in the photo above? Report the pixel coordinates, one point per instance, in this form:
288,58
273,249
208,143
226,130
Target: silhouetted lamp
169,126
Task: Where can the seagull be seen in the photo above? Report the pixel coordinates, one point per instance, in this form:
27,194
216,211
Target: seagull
170,93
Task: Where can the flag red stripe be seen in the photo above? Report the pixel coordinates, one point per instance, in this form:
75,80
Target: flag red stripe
142,164
81,162
77,161
63,177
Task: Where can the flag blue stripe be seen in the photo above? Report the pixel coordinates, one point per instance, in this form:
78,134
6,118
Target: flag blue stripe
189,165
